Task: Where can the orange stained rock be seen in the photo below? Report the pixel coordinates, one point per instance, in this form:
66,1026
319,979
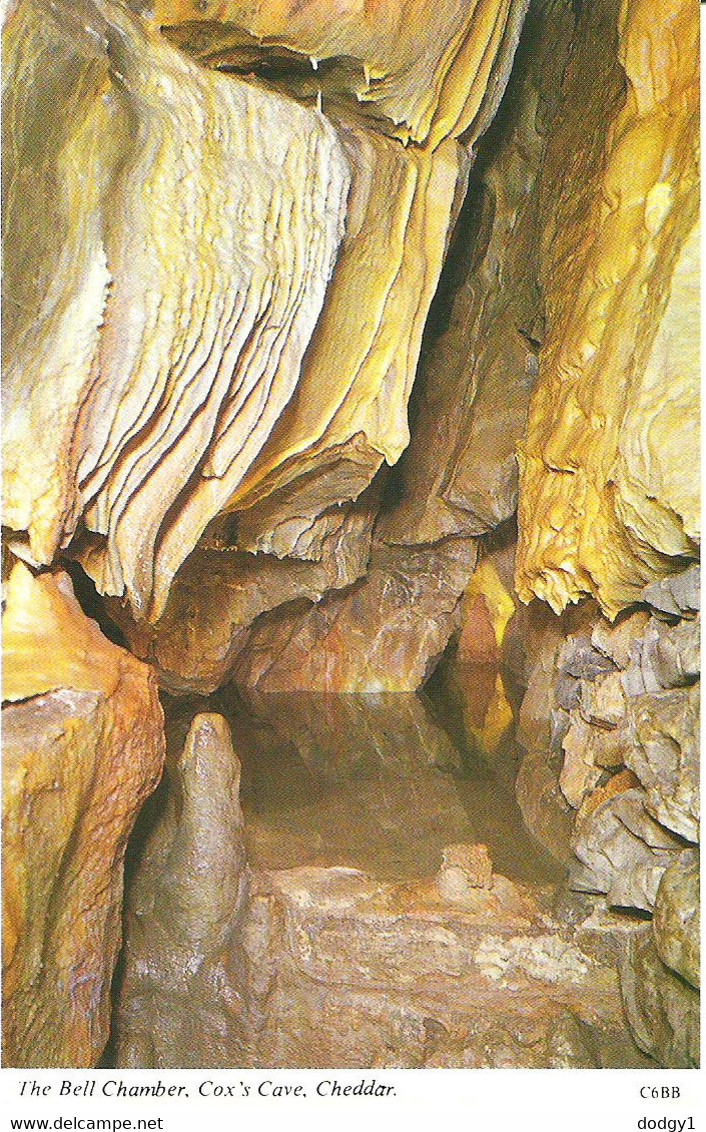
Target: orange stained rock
49,643
83,745
617,784
609,489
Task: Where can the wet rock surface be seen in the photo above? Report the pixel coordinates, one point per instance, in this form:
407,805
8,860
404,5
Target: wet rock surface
333,965
381,783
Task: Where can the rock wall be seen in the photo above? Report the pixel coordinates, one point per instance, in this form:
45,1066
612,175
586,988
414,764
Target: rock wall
82,748
610,782
609,482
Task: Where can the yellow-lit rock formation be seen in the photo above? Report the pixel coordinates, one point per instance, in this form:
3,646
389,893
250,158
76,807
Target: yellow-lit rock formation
479,363
421,79
194,225
82,747
609,470
224,309
349,411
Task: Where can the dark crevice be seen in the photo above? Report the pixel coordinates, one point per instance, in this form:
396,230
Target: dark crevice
92,603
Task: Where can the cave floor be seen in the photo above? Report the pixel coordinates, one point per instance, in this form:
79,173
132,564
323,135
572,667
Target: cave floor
395,911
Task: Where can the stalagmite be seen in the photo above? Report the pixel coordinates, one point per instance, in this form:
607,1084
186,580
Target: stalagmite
187,904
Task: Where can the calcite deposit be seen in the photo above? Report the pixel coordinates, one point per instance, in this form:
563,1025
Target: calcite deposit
168,314
190,393
609,492
83,747
186,905
419,79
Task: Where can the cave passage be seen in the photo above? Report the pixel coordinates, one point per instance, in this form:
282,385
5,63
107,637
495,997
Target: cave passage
377,782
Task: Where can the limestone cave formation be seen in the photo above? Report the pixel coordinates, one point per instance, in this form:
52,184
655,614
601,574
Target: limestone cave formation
351,533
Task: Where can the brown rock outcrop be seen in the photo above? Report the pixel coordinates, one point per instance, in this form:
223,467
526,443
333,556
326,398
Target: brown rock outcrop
219,592
383,635
464,868
622,851
542,725
83,746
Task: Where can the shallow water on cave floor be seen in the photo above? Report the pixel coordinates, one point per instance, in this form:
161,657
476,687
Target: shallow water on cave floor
381,783
318,973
